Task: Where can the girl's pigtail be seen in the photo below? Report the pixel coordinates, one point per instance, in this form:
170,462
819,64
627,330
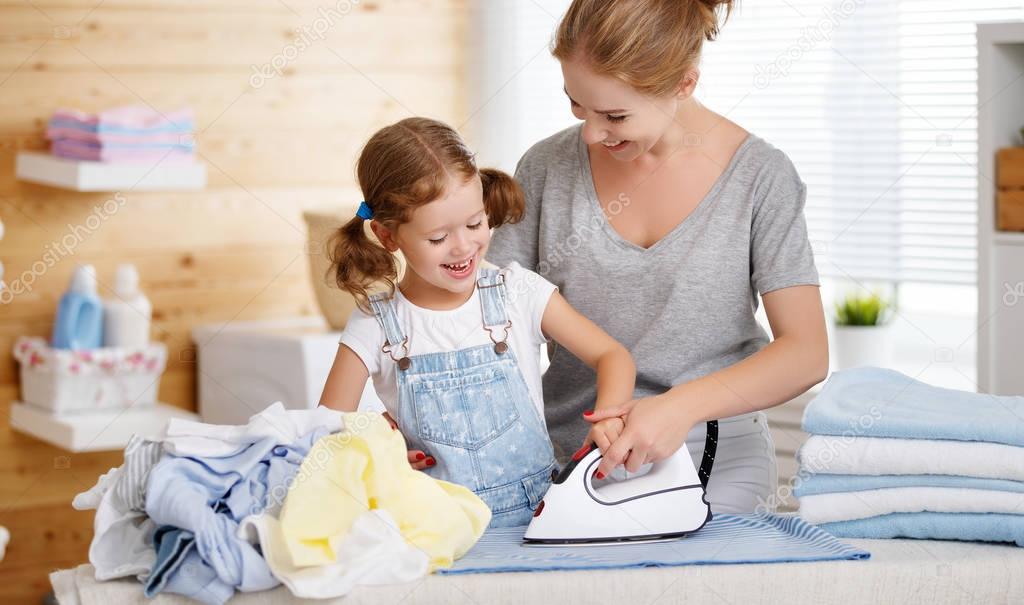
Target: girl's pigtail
360,263
503,198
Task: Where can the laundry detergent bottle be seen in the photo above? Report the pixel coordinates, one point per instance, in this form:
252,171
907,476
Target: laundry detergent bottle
79,323
128,314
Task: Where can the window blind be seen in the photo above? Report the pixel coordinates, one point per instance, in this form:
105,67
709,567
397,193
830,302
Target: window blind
874,102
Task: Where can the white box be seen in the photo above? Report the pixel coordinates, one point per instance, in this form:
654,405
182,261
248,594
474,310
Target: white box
246,366
110,378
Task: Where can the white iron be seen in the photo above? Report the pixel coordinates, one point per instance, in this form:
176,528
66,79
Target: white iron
667,502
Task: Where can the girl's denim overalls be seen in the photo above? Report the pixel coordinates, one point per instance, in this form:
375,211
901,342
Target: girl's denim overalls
472,411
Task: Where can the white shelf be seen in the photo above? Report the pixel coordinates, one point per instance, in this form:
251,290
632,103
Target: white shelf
79,175
94,431
1013,238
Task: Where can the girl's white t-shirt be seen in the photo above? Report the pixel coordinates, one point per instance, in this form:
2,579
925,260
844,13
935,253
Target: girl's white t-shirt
430,331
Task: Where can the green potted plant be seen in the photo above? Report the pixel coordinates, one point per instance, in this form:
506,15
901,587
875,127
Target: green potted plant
863,333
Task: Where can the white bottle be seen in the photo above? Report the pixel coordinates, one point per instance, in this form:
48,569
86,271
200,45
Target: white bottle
126,316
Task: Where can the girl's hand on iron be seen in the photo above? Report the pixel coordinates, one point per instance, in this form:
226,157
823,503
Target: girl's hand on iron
654,430
604,433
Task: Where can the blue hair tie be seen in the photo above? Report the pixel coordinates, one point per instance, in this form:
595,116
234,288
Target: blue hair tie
364,211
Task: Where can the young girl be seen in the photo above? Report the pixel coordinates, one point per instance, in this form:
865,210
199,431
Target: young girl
454,348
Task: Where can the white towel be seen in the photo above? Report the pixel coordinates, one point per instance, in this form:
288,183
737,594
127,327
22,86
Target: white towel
190,438
847,506
885,456
372,553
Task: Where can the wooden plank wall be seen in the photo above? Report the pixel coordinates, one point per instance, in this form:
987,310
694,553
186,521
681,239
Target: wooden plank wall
274,145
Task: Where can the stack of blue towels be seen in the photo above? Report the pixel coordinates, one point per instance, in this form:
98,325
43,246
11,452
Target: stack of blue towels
892,457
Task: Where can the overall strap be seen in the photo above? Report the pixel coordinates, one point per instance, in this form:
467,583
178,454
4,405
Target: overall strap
493,299
383,306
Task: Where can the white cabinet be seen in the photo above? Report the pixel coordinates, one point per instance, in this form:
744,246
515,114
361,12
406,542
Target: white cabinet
1000,254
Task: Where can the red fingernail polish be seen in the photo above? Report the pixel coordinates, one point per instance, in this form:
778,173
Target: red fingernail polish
588,413
420,456
580,453
599,475
431,461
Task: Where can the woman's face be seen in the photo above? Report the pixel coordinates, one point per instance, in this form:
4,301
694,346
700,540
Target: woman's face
622,120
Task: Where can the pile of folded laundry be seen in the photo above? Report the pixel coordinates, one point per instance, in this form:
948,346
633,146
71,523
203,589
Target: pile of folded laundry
893,457
124,134
317,500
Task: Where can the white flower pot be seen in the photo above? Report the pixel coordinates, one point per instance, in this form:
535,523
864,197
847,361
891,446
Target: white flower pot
855,346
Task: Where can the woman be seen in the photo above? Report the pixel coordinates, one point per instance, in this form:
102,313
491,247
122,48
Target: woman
662,221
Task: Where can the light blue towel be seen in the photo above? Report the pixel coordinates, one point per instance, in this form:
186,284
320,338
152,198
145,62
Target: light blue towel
968,527
821,483
873,402
753,538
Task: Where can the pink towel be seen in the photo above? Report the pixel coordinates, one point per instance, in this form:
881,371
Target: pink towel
113,138
77,151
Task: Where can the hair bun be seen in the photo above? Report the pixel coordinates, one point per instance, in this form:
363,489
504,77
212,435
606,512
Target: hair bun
711,24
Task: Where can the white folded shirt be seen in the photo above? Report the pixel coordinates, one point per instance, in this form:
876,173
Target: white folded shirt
886,456
847,506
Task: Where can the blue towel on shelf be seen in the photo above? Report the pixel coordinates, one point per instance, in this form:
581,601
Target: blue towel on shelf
753,538
821,483
873,402
965,527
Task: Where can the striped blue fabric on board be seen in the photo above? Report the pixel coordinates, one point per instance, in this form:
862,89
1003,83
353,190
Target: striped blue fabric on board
753,538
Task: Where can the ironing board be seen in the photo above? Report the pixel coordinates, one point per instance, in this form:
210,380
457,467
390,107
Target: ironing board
899,571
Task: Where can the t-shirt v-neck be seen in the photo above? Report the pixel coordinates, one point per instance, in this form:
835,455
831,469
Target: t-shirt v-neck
591,186
684,307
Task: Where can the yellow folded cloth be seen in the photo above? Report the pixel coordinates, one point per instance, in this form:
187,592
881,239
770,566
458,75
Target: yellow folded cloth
366,467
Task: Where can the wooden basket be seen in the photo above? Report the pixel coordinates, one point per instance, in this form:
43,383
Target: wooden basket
1010,189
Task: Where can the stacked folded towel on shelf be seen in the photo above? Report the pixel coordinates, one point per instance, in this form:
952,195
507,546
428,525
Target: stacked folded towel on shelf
124,134
890,457
204,510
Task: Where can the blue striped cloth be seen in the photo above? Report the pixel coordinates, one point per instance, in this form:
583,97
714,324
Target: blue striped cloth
753,538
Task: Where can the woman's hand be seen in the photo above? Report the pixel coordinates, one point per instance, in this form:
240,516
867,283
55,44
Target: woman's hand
418,459
655,428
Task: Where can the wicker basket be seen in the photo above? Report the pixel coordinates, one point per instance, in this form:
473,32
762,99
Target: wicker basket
85,380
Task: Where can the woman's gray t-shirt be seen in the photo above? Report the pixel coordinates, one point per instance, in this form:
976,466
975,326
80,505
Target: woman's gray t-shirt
683,307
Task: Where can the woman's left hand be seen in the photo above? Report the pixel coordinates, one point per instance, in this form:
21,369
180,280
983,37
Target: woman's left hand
655,429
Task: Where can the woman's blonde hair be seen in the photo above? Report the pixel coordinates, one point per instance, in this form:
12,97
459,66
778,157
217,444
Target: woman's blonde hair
402,167
648,44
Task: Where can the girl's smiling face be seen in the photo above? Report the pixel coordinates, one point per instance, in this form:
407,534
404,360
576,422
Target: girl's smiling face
615,116
444,242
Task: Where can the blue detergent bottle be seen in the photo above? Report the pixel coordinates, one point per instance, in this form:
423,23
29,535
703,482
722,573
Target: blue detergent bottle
79,323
